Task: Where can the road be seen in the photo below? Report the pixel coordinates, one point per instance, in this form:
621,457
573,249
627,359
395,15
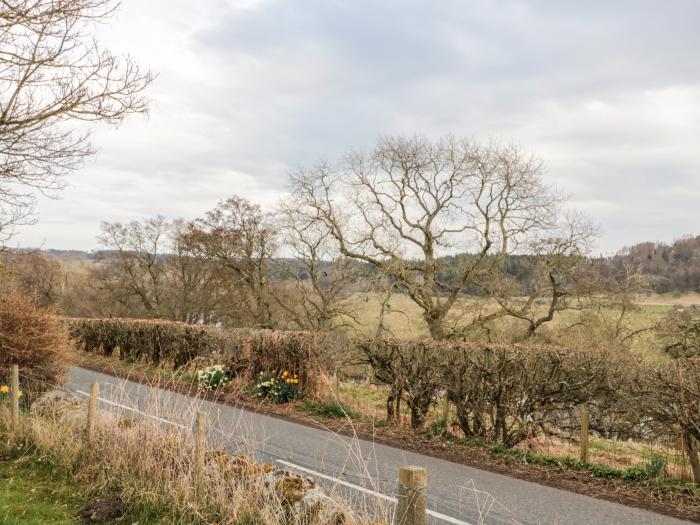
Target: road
365,471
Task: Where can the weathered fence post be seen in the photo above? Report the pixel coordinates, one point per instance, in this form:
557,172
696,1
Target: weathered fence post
14,393
446,414
585,424
92,411
410,508
200,449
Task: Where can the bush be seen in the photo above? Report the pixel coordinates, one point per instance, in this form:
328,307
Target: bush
411,369
670,394
680,333
33,338
212,377
509,393
280,387
166,342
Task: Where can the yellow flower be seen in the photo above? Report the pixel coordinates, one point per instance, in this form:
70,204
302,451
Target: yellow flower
285,374
4,389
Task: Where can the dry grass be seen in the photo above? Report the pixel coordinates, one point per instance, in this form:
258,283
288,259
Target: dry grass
403,320
149,465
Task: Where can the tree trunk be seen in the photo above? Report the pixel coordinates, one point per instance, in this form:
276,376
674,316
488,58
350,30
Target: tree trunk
417,417
692,447
393,406
436,325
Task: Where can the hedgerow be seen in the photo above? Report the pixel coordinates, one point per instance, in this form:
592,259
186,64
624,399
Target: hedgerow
500,393
243,352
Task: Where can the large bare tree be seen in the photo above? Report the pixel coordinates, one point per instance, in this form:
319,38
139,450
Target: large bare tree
409,201
239,237
52,74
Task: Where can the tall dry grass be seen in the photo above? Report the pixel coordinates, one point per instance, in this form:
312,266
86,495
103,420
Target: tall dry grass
149,465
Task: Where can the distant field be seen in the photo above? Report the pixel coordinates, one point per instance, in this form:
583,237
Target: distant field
403,319
671,299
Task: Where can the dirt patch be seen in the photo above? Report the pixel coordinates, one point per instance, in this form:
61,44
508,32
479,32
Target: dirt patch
103,510
657,499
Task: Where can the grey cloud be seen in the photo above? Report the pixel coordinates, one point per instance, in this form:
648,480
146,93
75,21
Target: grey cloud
608,93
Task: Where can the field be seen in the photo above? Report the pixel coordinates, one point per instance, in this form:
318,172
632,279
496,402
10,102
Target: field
403,320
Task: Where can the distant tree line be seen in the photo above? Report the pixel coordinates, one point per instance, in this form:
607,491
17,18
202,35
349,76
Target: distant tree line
670,267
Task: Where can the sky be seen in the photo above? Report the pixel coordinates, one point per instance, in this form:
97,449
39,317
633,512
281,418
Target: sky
606,93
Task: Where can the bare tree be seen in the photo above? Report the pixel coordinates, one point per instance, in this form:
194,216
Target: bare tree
320,276
152,269
561,277
52,74
135,268
34,274
237,235
410,201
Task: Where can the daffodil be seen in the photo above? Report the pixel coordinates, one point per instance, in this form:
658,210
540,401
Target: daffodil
4,389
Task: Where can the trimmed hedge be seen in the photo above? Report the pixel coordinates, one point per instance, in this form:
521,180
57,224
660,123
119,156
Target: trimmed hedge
501,393
244,352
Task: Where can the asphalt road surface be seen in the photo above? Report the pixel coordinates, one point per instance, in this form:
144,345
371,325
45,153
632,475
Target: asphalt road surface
363,471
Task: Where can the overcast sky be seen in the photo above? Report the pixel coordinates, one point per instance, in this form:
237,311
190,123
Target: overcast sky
607,93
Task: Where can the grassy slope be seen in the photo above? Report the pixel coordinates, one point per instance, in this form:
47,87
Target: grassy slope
32,493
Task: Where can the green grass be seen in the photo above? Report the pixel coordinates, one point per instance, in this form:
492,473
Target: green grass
329,409
32,492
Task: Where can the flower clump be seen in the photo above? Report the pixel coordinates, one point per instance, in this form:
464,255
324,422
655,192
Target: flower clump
5,392
280,387
212,377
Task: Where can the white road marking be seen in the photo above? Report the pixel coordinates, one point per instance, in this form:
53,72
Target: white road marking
374,493
134,410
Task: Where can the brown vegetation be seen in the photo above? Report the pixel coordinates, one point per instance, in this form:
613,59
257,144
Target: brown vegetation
33,338
244,352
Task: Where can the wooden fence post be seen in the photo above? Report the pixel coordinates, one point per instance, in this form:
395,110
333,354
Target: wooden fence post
14,393
446,413
92,412
410,508
585,424
200,449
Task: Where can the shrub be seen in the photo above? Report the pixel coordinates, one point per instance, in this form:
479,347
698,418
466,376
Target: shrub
280,387
670,394
411,369
152,340
212,377
680,333
508,393
300,353
33,338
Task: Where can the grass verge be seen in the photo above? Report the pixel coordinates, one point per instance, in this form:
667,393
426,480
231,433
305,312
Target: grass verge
33,491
